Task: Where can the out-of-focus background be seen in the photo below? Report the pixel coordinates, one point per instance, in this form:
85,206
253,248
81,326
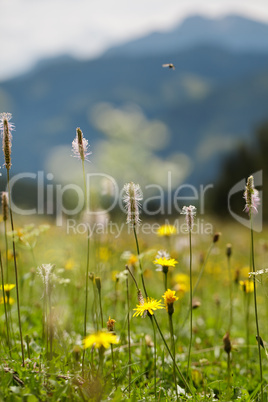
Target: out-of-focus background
73,63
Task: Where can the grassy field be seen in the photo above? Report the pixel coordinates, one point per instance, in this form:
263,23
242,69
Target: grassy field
52,316
131,310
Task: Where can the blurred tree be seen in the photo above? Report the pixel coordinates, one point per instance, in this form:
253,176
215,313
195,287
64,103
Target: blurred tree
244,161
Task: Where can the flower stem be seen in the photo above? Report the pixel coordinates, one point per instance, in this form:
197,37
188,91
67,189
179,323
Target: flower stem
5,307
171,355
138,252
128,334
87,266
154,354
191,303
255,304
198,280
173,350
16,269
230,294
165,280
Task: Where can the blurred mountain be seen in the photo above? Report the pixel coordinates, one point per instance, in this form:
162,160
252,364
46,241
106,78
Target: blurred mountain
211,101
232,31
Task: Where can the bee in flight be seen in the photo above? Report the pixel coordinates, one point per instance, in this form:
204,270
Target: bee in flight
169,65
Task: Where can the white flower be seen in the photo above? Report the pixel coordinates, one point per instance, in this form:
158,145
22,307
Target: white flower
80,146
251,195
45,271
132,196
5,117
189,213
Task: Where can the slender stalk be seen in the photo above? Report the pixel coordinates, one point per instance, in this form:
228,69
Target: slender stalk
198,280
171,355
99,292
191,303
165,280
50,324
154,355
255,305
87,266
173,350
6,244
138,252
229,374
5,307
16,269
128,334
247,296
230,293
112,353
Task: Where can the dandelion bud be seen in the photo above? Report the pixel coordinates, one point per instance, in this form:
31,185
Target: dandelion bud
196,304
132,196
80,146
251,196
91,276
98,283
189,213
5,205
169,299
260,341
6,128
110,324
76,352
227,343
140,297
216,237
228,250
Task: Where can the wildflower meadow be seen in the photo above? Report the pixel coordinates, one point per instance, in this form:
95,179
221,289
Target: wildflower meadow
155,311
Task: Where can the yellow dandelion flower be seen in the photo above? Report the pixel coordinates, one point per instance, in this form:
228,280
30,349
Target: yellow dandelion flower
247,286
165,262
133,259
148,306
169,297
100,339
244,272
8,300
115,275
69,264
8,287
182,283
166,230
104,254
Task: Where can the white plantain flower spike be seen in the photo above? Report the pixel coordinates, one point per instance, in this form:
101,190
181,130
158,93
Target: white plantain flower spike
80,146
132,197
6,128
189,213
251,195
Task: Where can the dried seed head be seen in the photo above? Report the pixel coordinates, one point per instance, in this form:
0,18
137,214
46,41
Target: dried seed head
98,283
5,205
6,128
228,250
140,297
227,343
195,304
216,237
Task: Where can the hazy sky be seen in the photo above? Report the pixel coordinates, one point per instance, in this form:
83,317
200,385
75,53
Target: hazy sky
34,29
